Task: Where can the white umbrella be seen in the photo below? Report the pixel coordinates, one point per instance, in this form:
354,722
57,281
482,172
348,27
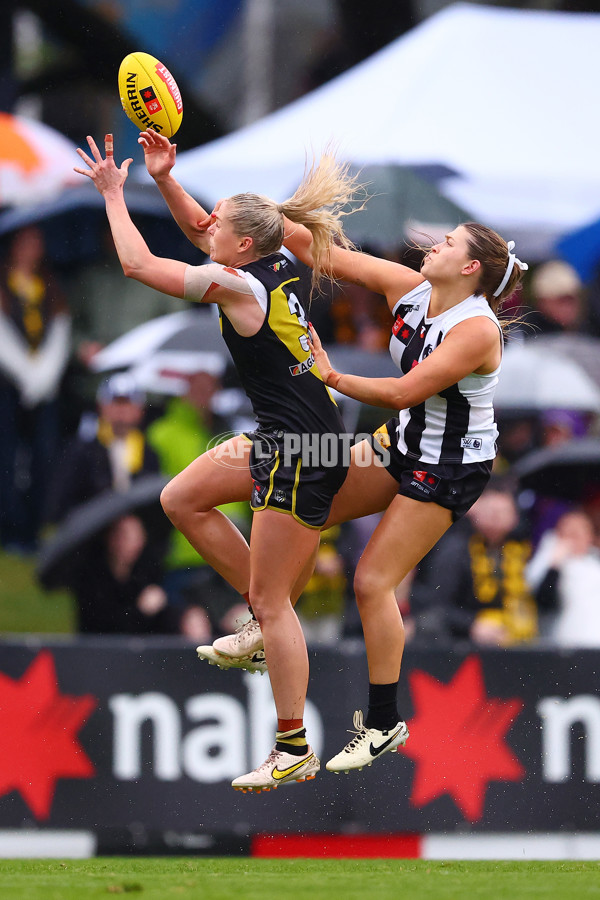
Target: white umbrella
532,378
36,161
160,353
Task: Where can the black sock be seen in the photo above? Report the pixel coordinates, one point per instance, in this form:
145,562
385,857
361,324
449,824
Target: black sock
383,712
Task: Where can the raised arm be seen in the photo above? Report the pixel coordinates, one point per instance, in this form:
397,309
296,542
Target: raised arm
166,275
383,276
159,155
212,283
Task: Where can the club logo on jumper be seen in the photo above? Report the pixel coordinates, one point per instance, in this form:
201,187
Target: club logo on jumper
469,443
279,265
303,367
39,727
425,481
401,330
150,100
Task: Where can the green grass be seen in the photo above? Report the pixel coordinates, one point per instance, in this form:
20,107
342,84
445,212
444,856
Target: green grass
295,879
26,607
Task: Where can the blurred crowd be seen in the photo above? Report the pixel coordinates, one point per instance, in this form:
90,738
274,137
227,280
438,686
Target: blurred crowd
84,455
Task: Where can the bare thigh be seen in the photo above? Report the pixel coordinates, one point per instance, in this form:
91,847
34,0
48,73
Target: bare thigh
369,488
221,475
407,531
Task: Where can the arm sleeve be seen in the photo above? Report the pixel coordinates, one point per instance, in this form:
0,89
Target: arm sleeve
201,281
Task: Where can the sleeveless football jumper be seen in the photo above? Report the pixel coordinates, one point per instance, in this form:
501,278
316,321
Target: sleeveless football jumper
278,373
442,449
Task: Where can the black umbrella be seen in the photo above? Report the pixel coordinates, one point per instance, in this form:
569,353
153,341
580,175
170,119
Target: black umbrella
88,520
567,471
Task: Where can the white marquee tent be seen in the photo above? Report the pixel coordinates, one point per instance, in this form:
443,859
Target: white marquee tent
505,99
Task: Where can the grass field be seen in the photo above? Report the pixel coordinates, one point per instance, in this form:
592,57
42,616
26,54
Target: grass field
296,879
25,607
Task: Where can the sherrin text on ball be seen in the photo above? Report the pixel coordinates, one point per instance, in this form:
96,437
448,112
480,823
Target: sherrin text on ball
149,94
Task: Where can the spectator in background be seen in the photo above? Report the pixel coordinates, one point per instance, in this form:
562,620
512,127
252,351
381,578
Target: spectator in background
208,605
556,427
559,304
472,584
564,573
108,452
35,329
116,581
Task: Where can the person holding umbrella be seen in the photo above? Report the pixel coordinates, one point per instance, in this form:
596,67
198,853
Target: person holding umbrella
262,304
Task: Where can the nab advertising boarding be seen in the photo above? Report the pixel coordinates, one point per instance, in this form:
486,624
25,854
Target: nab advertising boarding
121,734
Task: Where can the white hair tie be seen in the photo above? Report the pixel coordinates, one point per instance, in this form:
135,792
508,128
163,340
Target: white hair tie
512,262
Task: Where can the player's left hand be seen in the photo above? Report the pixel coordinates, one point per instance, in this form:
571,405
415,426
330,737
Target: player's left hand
321,358
103,171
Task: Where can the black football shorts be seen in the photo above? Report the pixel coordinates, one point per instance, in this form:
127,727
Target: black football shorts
455,486
284,481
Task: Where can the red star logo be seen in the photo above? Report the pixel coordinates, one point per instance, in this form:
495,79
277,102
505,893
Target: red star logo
405,333
457,739
147,93
38,735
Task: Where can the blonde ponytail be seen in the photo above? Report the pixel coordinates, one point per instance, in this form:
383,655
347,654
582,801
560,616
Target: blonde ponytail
324,197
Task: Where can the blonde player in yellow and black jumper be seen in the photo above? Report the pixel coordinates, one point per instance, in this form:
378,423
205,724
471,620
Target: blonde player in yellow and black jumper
261,301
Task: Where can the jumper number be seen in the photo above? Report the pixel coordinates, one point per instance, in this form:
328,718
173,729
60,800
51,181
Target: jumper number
295,308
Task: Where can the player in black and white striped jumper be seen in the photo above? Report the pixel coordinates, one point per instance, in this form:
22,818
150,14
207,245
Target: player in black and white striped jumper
429,464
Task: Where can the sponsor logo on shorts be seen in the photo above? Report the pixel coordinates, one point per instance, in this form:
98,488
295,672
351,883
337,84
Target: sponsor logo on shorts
425,481
469,443
279,496
302,367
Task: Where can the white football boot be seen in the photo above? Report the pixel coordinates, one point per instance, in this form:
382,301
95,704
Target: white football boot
278,768
246,641
367,745
256,662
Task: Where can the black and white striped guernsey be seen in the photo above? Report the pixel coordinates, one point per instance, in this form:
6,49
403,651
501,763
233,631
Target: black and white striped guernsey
456,425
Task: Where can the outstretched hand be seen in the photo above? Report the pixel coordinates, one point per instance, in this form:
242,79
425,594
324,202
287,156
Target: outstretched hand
103,172
159,153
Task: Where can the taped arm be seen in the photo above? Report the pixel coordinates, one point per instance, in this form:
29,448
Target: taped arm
214,283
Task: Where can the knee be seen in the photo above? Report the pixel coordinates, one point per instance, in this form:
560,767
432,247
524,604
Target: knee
169,500
368,586
177,502
264,609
